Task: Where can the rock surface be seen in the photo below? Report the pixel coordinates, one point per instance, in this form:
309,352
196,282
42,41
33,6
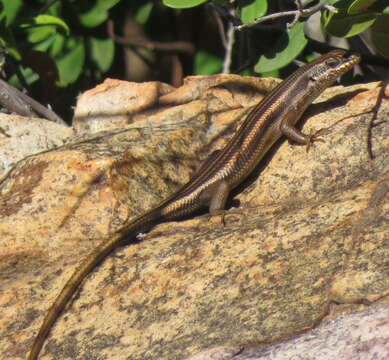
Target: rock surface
21,136
362,335
309,240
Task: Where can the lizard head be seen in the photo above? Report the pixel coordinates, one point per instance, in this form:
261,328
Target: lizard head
329,67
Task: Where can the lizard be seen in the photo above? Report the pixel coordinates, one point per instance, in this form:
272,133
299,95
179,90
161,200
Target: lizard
275,116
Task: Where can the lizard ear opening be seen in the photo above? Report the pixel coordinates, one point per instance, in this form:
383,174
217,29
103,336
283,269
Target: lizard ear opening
313,77
332,63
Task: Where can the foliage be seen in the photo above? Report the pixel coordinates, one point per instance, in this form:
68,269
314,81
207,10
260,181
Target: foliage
352,18
64,43
59,33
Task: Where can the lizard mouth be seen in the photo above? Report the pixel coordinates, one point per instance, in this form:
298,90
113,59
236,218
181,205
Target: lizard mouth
352,60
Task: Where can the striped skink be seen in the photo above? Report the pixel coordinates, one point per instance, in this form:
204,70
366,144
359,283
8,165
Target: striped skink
275,116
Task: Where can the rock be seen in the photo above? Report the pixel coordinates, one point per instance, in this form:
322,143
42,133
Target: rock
310,237
112,104
21,136
361,335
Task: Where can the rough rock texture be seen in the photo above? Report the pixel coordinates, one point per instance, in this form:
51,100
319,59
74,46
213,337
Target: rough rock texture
362,335
113,104
22,136
309,240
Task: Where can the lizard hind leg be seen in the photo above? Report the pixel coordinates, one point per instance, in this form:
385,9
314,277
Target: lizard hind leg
218,194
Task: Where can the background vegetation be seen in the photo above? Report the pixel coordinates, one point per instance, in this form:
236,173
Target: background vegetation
56,49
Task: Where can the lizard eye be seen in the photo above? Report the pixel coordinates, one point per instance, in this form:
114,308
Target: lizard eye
332,62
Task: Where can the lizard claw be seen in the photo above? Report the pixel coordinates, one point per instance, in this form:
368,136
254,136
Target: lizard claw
315,136
221,213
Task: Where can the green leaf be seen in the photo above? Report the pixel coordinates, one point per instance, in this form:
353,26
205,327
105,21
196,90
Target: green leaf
52,20
183,4
28,75
8,45
45,44
44,27
57,45
247,72
359,6
281,55
274,73
11,9
9,48
102,53
345,25
98,13
206,63
71,64
38,34
252,11
380,35
143,13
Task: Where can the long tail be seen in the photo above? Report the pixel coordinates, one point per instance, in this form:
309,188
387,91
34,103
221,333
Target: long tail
142,223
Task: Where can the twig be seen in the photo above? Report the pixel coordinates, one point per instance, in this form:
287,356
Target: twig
16,101
297,14
220,26
230,37
177,46
225,13
10,99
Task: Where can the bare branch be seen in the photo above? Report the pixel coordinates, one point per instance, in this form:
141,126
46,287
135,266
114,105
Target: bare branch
230,45
16,101
220,26
176,46
297,14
